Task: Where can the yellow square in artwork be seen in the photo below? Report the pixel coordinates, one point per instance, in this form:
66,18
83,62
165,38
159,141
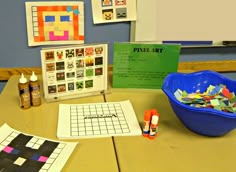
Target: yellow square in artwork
20,161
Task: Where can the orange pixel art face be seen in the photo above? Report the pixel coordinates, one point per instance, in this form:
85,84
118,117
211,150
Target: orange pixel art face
52,24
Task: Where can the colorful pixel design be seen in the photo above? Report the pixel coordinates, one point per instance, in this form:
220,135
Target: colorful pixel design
27,153
22,152
74,70
48,23
108,11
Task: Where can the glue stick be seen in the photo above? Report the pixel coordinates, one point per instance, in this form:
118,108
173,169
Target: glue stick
154,126
147,121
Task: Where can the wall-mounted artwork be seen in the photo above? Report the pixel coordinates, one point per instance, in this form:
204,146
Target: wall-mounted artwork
108,11
50,23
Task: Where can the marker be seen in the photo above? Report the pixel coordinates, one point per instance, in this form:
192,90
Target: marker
229,43
147,121
153,126
189,43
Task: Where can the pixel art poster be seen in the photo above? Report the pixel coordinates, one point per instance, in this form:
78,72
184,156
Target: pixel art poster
108,11
50,23
23,152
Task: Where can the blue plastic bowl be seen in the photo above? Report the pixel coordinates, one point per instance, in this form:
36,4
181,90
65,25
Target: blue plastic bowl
204,121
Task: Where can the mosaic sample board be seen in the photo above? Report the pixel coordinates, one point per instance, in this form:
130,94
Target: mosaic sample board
74,71
97,120
23,152
55,22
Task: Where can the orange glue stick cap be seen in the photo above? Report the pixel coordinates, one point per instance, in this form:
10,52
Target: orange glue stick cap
154,112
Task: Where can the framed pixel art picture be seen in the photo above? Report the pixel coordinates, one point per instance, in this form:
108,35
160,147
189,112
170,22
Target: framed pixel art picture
50,23
108,11
74,71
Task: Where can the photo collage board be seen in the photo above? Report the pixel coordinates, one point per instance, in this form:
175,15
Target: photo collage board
74,71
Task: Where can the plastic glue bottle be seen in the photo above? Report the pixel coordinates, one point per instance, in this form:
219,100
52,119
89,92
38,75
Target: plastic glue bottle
23,87
34,88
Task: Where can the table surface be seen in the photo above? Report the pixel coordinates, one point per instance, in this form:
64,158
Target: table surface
89,155
174,149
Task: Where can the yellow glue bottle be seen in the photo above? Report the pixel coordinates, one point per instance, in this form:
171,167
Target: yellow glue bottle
23,87
34,88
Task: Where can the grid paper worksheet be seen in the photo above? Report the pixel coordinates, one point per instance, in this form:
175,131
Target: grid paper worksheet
97,120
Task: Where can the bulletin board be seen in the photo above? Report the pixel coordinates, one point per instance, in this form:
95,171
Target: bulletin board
159,20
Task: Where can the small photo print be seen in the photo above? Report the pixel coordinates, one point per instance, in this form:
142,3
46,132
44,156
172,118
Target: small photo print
51,78
70,74
88,83
60,76
59,55
120,2
60,65
52,89
89,72
79,73
71,86
106,3
70,64
89,51
107,14
70,53
98,71
50,67
61,88
98,61
121,13
89,61
98,50
79,85
79,52
49,55
80,63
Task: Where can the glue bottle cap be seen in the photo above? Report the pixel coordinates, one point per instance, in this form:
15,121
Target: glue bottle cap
22,79
33,77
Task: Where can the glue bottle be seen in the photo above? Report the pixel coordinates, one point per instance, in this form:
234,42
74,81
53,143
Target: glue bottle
23,87
147,121
34,88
